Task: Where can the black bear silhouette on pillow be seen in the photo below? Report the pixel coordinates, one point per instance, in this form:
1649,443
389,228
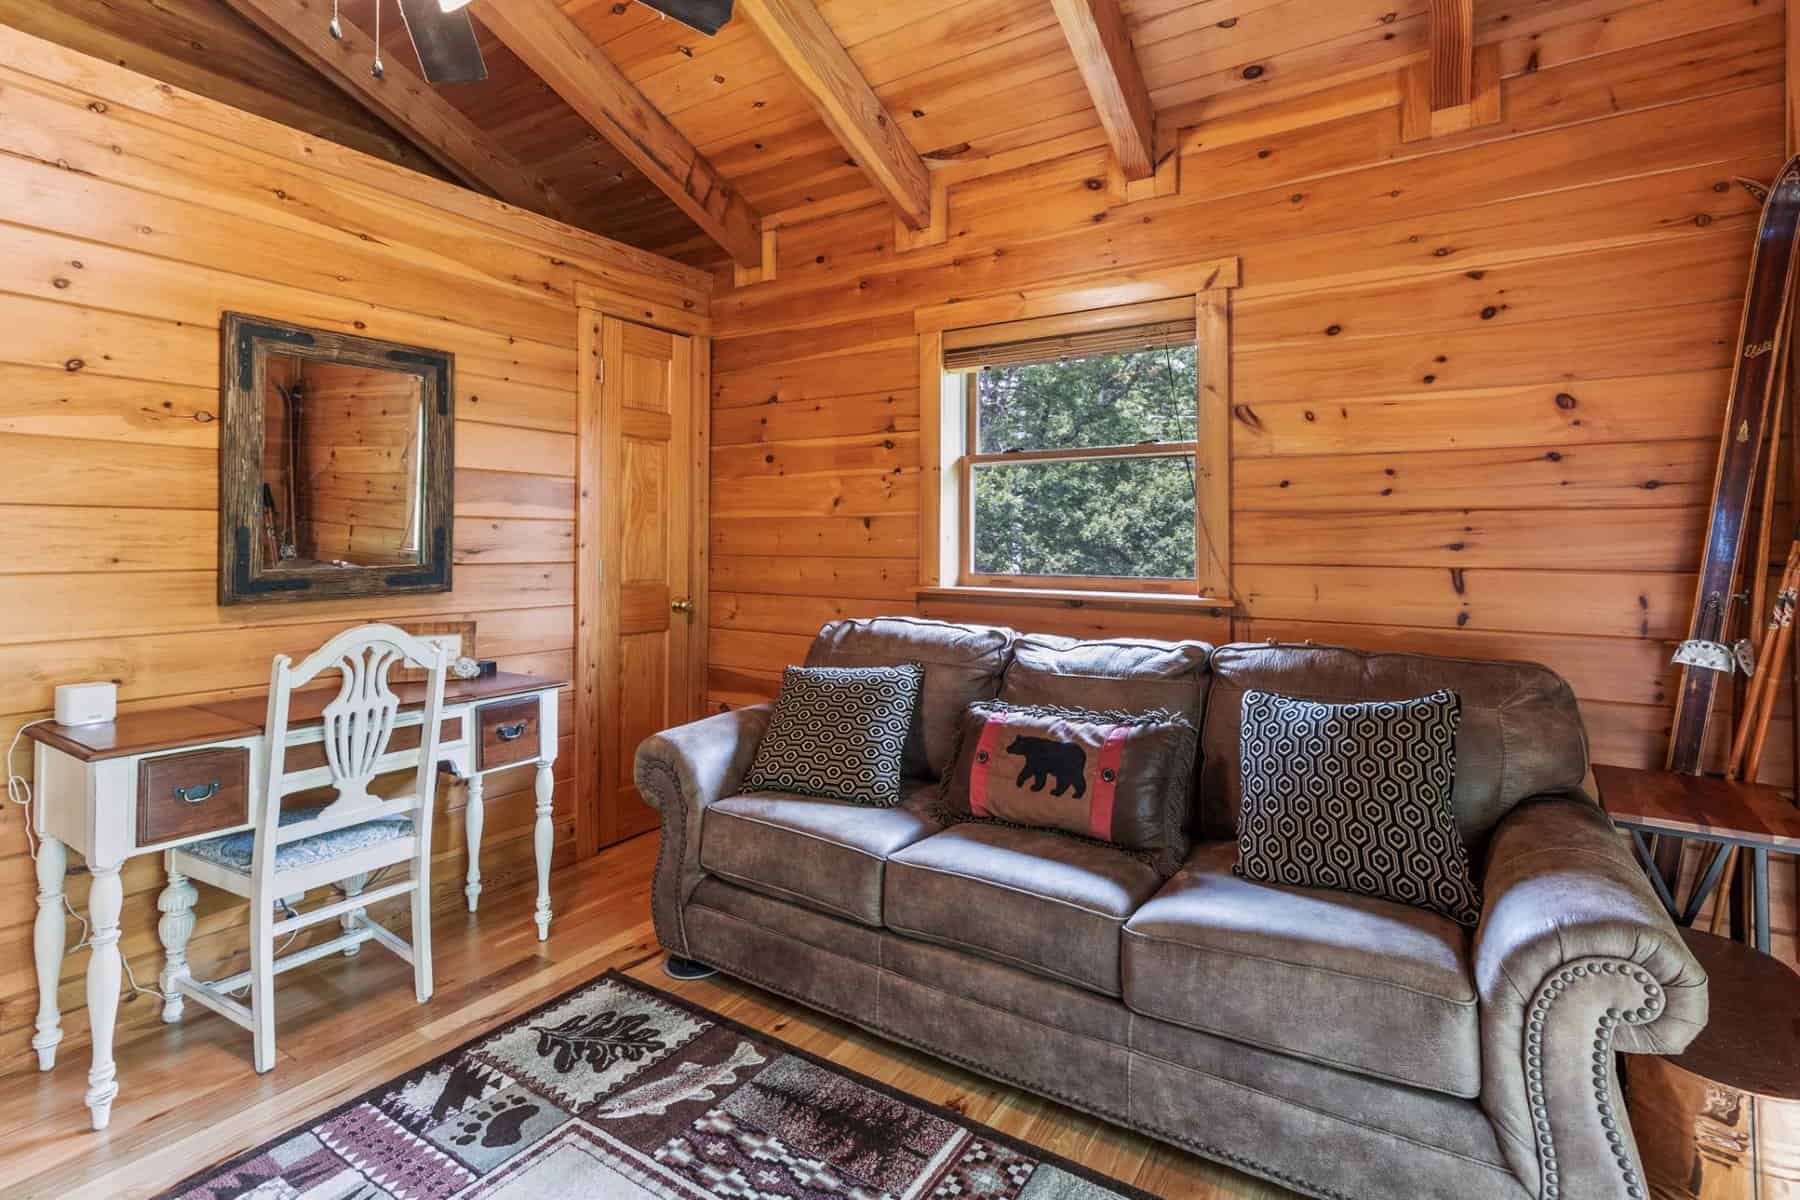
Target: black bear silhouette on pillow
1045,757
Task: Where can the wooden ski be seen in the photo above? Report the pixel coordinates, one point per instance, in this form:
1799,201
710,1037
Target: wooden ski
1765,325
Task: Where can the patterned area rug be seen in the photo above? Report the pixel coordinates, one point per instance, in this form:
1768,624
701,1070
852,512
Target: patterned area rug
618,1091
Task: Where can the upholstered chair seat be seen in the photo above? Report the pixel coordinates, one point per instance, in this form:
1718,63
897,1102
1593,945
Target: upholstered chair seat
235,851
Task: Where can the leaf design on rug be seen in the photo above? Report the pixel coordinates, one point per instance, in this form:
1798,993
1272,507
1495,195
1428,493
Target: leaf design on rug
600,1040
690,1081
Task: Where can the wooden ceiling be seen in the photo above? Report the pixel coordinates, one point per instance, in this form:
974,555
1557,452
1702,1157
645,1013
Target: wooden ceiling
961,81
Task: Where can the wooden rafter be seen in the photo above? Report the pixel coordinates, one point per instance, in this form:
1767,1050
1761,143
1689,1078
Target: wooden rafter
1457,86
401,98
1452,53
811,52
1096,32
554,47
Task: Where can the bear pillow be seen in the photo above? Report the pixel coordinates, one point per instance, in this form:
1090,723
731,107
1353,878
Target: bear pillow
1120,778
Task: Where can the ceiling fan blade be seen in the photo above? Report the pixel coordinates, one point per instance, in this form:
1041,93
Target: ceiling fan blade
708,16
445,42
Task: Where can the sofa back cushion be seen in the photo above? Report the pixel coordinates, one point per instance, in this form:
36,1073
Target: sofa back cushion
963,664
1521,733
1131,675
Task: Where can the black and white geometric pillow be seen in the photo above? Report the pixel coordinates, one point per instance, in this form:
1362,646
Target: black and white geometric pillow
1355,797
839,732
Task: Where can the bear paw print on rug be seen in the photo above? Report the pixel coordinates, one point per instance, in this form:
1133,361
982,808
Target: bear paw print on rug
497,1123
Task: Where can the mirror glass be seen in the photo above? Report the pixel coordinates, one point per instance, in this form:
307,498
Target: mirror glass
342,478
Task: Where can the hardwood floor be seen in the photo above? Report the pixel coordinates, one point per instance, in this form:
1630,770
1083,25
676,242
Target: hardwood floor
190,1097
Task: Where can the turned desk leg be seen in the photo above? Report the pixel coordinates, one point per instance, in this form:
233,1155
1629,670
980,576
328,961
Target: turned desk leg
473,815
49,937
103,972
543,837
176,903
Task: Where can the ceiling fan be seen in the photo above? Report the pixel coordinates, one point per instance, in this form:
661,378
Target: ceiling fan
708,16
445,40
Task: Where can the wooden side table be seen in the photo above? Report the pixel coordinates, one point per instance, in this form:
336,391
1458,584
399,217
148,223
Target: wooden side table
1755,818
1722,1121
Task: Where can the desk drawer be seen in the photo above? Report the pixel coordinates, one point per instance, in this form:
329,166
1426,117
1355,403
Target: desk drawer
509,733
193,794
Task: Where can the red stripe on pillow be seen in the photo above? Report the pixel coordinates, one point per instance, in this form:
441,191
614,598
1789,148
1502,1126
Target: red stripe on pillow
985,749
1106,783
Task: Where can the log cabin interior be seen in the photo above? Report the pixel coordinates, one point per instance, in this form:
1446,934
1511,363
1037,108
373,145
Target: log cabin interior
1004,599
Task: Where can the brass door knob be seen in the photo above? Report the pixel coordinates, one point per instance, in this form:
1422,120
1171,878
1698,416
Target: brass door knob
682,606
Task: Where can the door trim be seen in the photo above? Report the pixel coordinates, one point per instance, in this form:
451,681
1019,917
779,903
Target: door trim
593,625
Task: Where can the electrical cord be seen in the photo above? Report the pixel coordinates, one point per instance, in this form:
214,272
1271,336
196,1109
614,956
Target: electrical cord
18,788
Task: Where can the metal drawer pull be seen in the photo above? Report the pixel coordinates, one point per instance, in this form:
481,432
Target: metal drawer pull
511,733
198,793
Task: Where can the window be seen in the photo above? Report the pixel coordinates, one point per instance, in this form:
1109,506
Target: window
1083,467
1083,451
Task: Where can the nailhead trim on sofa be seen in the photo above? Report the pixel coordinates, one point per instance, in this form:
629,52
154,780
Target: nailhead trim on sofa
667,788
1550,1187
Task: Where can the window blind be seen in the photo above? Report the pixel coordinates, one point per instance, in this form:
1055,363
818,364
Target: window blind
1154,336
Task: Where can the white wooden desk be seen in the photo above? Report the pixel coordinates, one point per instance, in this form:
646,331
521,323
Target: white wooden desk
163,778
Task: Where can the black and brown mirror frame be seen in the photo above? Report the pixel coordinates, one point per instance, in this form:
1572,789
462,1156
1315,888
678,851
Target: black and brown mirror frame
244,576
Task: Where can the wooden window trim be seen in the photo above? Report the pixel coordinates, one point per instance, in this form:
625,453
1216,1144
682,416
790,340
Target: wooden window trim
947,433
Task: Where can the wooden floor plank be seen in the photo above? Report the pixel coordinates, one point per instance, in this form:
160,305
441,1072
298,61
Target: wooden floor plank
189,1096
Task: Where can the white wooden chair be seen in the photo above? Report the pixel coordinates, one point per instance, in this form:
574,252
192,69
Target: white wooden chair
341,843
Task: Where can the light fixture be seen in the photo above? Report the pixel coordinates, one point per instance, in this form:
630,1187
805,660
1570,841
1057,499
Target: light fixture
707,16
377,69
451,6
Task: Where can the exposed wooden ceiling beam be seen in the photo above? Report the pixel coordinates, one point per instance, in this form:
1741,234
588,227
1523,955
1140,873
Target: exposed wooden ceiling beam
1096,32
403,99
553,46
1452,53
1457,86
811,52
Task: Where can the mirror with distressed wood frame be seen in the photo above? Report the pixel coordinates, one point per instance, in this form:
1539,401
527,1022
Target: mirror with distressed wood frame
335,464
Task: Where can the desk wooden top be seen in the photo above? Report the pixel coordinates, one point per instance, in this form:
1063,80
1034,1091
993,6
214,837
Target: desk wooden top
1662,801
159,729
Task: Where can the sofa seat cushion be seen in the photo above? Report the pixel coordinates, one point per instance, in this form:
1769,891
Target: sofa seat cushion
1365,985
1038,900
828,854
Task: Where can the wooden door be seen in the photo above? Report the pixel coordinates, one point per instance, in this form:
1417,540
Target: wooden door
641,558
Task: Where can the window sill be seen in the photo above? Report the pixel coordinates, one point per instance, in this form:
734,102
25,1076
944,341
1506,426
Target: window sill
1215,606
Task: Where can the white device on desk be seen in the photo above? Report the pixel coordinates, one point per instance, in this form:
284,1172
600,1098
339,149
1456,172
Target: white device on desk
86,703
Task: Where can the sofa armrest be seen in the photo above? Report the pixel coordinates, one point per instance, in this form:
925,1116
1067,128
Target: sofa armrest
680,772
1575,958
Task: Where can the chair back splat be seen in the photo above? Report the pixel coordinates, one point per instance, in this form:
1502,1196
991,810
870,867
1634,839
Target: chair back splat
359,724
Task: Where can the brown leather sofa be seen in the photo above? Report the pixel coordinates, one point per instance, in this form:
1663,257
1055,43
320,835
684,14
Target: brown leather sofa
1342,1046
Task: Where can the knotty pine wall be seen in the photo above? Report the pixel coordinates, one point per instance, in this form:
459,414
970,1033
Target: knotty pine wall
131,215
1479,380
205,47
